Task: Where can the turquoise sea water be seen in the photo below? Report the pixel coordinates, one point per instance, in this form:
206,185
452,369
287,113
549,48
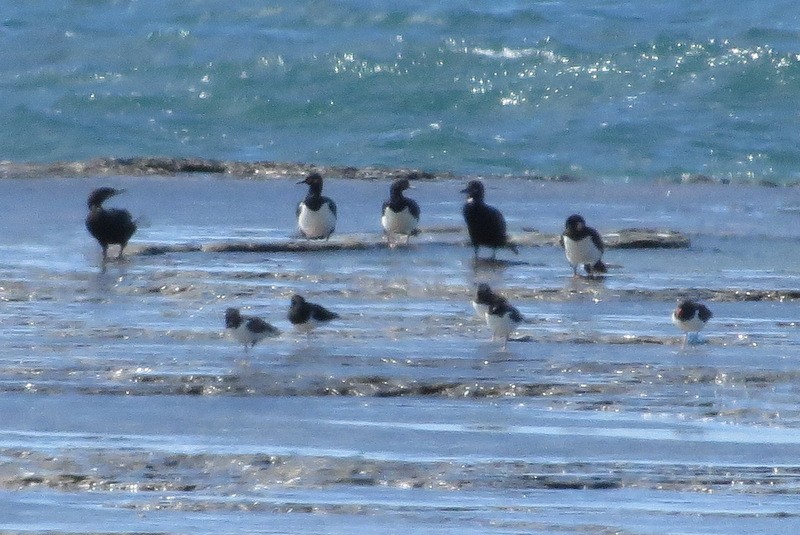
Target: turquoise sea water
605,90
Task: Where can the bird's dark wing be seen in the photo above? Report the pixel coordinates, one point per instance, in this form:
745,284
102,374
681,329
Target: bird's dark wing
496,220
111,226
704,313
299,313
320,313
330,203
257,325
413,207
597,239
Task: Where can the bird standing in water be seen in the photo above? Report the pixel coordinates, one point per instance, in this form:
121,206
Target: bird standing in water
583,245
690,317
109,226
316,214
249,330
307,316
503,319
399,214
485,224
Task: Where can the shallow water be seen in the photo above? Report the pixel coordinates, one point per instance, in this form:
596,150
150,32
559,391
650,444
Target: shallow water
126,409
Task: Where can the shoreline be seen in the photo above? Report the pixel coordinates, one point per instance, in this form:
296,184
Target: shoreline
172,166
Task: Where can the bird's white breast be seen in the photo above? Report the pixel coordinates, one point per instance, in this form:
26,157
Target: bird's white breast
581,251
306,327
501,326
245,336
319,224
689,326
402,222
480,310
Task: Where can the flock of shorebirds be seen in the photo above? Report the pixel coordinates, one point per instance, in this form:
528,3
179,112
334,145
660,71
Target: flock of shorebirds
316,219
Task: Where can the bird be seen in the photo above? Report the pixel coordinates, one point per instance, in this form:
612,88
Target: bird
399,214
109,226
249,330
307,316
690,317
503,319
484,298
316,214
485,224
583,245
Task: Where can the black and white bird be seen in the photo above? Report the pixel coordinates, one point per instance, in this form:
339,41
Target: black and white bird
484,299
316,214
109,226
248,330
503,319
485,224
307,316
399,214
583,246
690,317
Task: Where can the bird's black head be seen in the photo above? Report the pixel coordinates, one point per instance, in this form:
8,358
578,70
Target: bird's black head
687,309
474,190
297,300
98,196
232,318
575,223
313,179
485,294
399,186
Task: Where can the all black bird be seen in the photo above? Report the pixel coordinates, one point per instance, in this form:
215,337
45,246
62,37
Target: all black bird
316,214
485,224
399,214
307,316
109,226
249,330
583,245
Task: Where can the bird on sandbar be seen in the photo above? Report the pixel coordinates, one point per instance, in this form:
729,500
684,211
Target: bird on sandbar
109,226
583,246
690,317
306,316
485,224
248,330
316,214
399,214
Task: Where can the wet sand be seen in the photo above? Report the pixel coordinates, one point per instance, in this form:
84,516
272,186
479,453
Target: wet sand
125,404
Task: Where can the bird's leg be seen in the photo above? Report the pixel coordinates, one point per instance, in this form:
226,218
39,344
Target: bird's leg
494,253
685,339
475,247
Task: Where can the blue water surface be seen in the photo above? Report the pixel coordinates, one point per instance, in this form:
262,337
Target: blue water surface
611,90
